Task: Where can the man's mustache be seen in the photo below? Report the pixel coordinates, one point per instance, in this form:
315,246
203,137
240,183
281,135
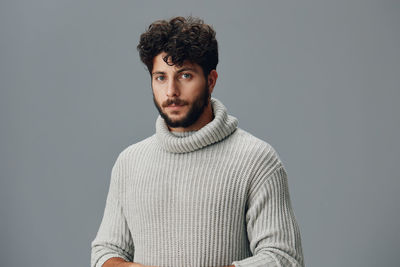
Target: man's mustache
175,101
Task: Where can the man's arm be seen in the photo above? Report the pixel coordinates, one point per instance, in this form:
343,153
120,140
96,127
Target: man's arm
113,238
118,262
272,229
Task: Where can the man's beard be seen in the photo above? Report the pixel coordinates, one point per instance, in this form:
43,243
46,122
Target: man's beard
192,115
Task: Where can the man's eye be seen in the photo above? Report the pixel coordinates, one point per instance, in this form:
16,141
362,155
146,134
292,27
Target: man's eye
186,76
160,78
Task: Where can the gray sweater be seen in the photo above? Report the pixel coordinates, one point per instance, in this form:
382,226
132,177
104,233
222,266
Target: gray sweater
209,198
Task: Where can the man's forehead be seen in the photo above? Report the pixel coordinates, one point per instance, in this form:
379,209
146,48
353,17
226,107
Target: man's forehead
160,63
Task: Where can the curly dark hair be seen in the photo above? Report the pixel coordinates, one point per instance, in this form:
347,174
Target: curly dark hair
181,39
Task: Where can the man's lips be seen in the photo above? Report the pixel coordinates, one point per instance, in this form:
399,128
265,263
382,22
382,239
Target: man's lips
175,106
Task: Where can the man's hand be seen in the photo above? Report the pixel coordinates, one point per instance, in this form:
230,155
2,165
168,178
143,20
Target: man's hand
119,262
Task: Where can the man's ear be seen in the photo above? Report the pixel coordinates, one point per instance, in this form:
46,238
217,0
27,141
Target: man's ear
212,80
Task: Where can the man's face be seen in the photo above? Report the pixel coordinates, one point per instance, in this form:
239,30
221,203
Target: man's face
180,93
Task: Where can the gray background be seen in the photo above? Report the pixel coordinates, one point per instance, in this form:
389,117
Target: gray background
318,80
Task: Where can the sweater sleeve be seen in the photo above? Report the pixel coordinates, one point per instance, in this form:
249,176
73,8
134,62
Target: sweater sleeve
113,238
272,229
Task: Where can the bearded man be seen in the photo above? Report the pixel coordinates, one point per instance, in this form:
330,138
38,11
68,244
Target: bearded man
201,191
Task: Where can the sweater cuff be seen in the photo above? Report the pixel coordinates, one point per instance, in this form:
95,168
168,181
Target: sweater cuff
256,261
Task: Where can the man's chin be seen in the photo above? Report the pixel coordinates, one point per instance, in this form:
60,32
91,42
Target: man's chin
173,120
175,123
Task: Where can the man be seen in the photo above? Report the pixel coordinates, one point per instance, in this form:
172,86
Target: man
200,191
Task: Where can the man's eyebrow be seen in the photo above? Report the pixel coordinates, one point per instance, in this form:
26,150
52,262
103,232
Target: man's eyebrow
187,69
158,72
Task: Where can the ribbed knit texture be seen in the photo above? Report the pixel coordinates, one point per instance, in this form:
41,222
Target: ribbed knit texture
208,198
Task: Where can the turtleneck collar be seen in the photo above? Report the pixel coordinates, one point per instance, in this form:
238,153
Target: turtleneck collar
219,128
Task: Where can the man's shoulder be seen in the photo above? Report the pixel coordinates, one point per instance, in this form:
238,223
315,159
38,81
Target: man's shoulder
251,140
256,148
136,148
262,156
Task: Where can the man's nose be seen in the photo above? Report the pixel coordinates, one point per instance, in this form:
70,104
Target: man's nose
172,90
